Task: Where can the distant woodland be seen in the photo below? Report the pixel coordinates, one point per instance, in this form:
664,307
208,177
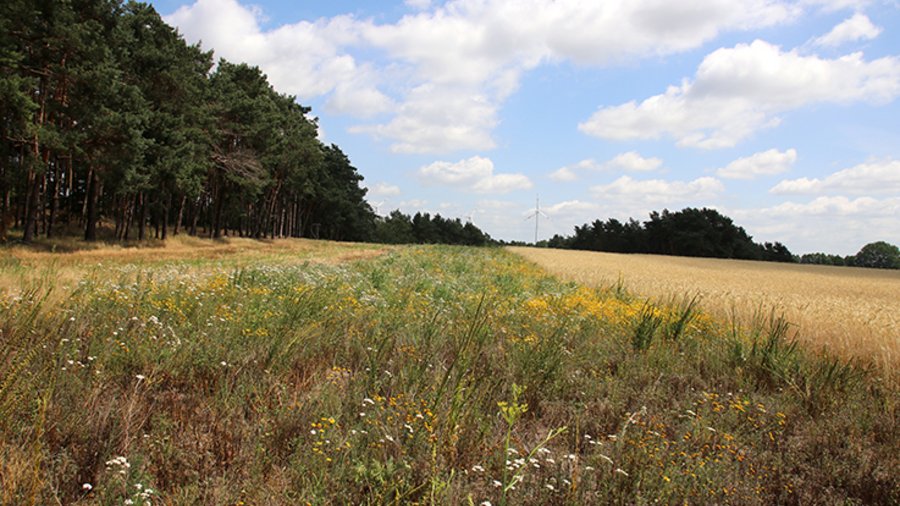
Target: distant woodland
706,233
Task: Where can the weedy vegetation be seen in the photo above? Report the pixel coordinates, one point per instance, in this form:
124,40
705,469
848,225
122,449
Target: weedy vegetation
417,375
846,311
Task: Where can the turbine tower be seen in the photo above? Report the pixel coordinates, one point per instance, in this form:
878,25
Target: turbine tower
537,217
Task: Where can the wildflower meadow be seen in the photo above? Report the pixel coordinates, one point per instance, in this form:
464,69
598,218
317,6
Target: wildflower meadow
417,375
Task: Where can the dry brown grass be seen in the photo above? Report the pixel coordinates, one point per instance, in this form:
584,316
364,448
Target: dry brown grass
64,262
853,312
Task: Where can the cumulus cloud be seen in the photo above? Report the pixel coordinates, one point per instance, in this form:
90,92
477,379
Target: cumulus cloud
835,5
418,4
764,163
658,191
858,27
475,174
740,90
836,206
382,189
850,222
465,55
436,119
866,178
631,161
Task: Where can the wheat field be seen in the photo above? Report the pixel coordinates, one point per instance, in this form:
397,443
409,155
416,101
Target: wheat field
853,312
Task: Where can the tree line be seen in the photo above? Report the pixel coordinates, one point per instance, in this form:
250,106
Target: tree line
689,232
108,115
422,228
879,254
705,233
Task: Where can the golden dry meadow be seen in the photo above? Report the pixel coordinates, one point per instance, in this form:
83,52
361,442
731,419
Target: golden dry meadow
299,372
853,312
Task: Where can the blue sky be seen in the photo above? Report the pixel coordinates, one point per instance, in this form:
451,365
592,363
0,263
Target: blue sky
780,114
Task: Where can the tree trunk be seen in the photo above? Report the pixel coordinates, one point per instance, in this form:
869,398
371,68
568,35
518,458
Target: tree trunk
165,217
32,203
217,213
54,201
195,216
142,216
90,227
4,200
180,215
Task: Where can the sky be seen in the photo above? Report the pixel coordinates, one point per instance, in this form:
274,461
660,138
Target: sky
783,115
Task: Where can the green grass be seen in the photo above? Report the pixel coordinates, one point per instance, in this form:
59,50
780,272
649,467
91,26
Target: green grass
431,375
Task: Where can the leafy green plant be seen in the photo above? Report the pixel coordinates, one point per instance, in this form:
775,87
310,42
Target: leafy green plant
647,323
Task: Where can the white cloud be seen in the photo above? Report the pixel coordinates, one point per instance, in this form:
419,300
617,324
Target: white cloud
503,183
359,100
569,209
475,174
836,206
467,56
658,191
739,90
764,163
836,5
418,4
866,178
564,174
630,161
412,206
437,119
383,189
858,27
850,223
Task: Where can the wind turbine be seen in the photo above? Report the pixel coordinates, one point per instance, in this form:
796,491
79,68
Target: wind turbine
537,217
469,216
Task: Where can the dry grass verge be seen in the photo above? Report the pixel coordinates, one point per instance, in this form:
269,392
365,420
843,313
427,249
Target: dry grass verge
66,261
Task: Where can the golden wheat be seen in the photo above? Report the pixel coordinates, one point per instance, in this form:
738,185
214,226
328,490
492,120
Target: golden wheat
852,312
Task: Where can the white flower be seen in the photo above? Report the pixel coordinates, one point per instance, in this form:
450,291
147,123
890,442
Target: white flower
140,377
496,484
486,503
622,472
87,486
223,363
128,501
478,469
